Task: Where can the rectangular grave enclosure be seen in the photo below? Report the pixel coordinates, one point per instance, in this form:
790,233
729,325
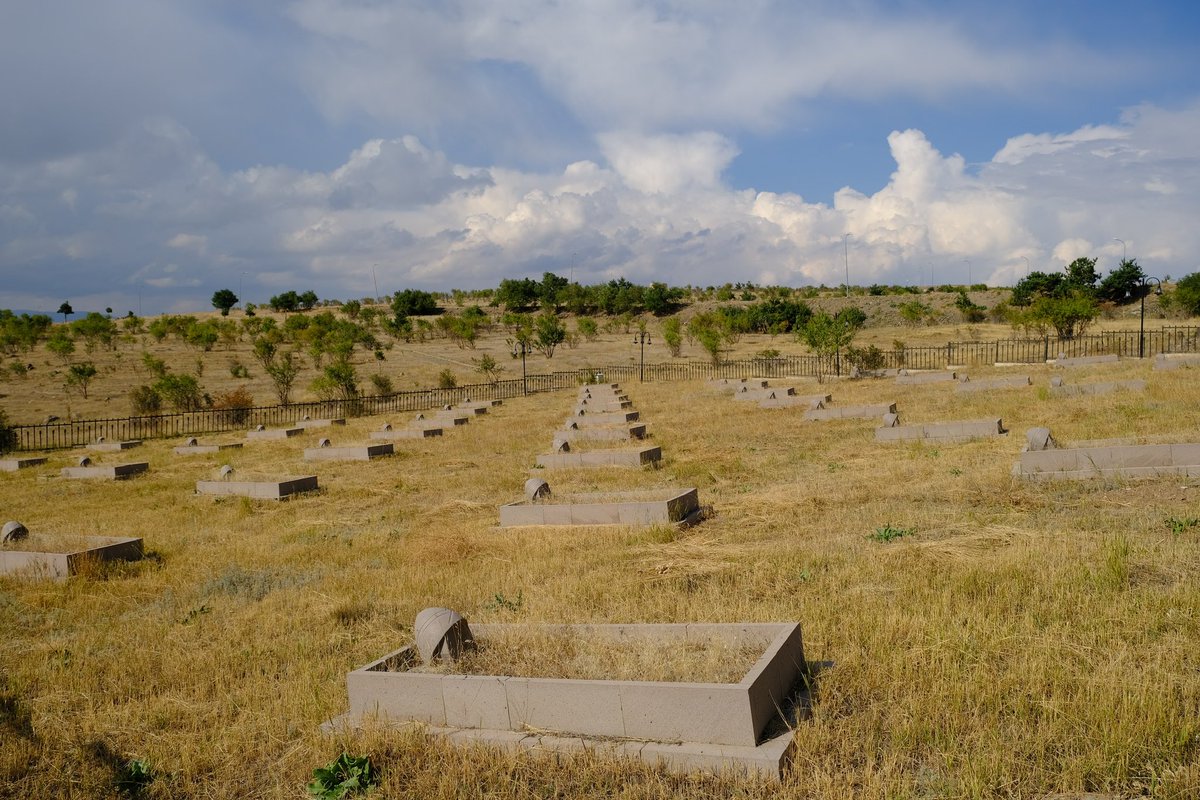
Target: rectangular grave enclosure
48,561
617,508
259,489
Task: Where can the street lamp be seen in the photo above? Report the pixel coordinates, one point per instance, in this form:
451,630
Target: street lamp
376,282
1142,329
522,347
846,257
1026,265
641,337
1122,241
968,271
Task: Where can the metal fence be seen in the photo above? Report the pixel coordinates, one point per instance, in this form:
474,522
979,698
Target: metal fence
58,435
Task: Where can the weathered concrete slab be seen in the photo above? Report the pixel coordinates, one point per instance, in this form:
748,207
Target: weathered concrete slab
603,433
869,411
960,431
685,727
406,433
43,555
106,472
1084,361
467,405
259,489
906,378
198,448
1096,388
593,404
14,464
629,457
990,384
811,401
592,418
616,508
270,434
360,452
103,446
311,424
450,418
1123,461
765,393
736,383
1171,361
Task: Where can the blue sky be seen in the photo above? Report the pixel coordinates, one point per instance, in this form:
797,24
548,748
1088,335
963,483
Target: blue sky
153,152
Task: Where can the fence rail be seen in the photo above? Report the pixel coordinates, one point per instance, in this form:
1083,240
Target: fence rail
74,433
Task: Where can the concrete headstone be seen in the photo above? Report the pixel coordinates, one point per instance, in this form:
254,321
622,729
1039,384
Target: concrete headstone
1039,439
537,489
442,634
13,532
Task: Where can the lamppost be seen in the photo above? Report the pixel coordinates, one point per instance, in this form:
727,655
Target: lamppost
1026,265
968,271
522,347
375,280
1122,241
241,286
846,257
641,337
1142,329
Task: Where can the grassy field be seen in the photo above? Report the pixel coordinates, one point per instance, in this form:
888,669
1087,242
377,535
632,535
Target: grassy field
1010,640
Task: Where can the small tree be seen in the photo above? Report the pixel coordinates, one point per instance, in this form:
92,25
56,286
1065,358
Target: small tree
1069,316
487,366
81,375
181,391
828,335
586,326
672,333
338,381
447,379
1186,296
282,369
223,300
549,333
61,344
1123,284
66,310
8,436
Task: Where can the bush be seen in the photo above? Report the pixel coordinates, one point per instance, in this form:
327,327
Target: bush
235,404
8,436
868,358
1186,296
447,380
181,391
383,384
145,400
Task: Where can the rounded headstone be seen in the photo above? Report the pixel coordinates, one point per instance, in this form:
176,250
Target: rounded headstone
305,418
13,532
323,443
561,446
387,426
447,407
572,426
1039,439
84,461
537,489
581,412
420,416
891,420
466,398
441,634
191,441
99,440
1056,381
260,427
225,472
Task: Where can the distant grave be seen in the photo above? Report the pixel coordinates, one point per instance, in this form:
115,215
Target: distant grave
601,433
741,727
646,507
259,489
626,457
390,433
603,404
990,384
14,464
439,418
1042,459
1059,388
262,433
869,411
812,401
960,431
310,424
86,470
906,378
1172,361
725,384
101,445
49,555
193,447
354,452
1085,361
763,393
585,418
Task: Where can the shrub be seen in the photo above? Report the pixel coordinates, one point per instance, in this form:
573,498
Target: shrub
447,380
238,370
1186,296
235,404
181,391
383,384
145,400
868,358
8,436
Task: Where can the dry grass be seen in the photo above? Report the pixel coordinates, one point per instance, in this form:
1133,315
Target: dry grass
1027,638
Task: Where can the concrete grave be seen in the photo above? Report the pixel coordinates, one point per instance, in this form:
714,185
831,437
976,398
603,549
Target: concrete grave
906,378
587,418
261,434
685,727
1084,361
309,424
870,411
989,384
811,401
1104,460
359,452
14,464
48,555
647,507
1171,361
629,457
960,431
442,417
105,472
1061,389
602,433
388,432
767,393
193,447
736,383
259,489
603,404
102,445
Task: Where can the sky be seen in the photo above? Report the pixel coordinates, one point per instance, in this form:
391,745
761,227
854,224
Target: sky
153,152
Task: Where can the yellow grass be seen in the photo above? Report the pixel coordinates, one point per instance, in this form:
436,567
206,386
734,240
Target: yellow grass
1026,639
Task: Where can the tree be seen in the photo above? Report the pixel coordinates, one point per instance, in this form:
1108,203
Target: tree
672,333
308,300
61,344
487,366
414,303
1187,294
708,329
338,381
1069,316
287,301
181,391
1081,273
549,333
223,300
282,369
827,335
95,329
1123,284
517,295
66,310
81,375
8,436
